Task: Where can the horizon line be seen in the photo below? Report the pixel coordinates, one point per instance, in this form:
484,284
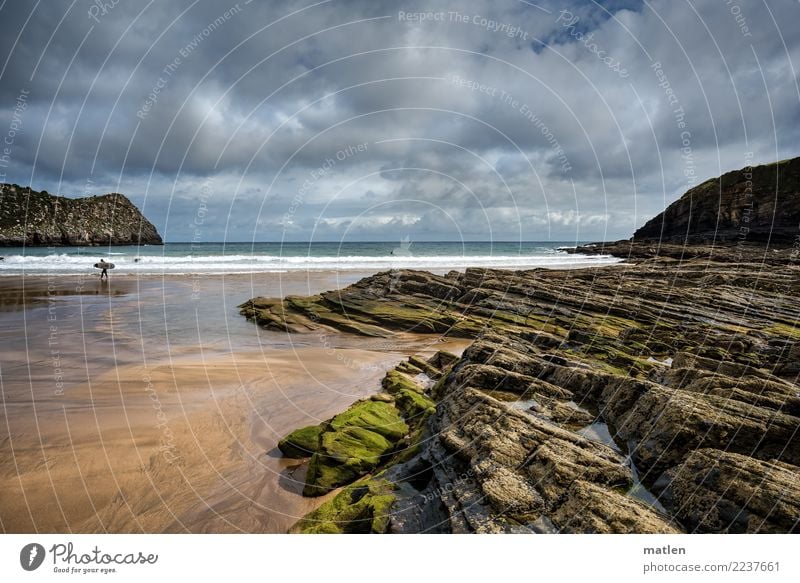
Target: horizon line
393,241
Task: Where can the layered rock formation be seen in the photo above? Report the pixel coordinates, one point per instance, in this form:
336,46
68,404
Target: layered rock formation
738,252
33,218
652,397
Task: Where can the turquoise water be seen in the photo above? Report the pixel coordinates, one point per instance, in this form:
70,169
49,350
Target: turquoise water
176,258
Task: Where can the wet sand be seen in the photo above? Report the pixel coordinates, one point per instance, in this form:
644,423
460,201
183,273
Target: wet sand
150,405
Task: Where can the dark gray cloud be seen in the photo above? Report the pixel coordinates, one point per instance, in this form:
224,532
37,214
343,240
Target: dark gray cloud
363,120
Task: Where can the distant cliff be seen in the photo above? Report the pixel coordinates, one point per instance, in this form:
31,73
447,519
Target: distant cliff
35,218
754,204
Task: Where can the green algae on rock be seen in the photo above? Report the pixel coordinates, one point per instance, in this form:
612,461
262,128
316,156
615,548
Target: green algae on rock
359,440
363,507
352,444
300,443
345,454
377,417
667,373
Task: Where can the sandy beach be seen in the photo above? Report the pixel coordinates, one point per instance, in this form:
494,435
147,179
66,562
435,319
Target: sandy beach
149,405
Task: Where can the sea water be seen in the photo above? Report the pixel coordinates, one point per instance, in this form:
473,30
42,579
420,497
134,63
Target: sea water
233,258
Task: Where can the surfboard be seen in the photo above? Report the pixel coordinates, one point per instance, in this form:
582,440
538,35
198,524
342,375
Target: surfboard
104,265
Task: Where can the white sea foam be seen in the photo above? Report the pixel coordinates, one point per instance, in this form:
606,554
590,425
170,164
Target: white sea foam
63,263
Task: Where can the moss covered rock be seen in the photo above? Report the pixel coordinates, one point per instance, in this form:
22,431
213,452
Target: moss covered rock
395,381
353,444
345,455
302,442
414,405
364,507
364,438
425,367
409,396
379,417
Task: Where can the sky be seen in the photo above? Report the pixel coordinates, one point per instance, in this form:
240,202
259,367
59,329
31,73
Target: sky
358,120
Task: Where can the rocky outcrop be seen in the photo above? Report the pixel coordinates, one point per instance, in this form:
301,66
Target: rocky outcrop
719,491
590,400
352,444
760,203
728,252
372,431
725,219
30,218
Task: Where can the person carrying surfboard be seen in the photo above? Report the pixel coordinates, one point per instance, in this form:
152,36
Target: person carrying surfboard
104,266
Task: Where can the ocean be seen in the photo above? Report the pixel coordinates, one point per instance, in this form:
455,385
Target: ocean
245,258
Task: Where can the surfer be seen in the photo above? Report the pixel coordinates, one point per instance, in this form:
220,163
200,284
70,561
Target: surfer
103,273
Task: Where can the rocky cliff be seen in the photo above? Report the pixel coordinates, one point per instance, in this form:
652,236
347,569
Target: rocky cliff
33,218
754,204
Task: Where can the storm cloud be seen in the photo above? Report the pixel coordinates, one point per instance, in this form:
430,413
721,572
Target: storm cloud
372,120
